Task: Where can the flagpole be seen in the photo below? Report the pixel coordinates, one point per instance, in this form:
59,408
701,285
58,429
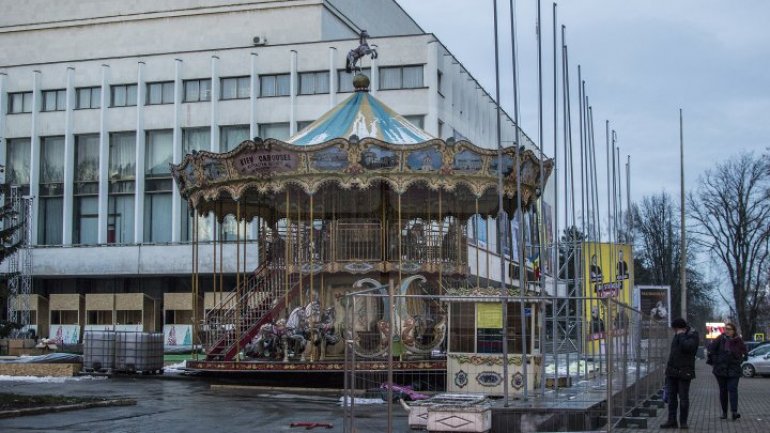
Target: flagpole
500,214
683,252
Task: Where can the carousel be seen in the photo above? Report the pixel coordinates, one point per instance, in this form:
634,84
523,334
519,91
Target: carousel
360,200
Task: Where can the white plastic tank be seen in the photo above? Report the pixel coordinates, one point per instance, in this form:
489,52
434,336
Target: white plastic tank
99,350
139,352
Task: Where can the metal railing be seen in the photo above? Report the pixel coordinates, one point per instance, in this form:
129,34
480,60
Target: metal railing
606,382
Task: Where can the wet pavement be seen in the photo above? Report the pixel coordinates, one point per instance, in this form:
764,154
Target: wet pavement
189,405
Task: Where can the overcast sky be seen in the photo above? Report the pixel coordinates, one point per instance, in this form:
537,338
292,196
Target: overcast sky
642,60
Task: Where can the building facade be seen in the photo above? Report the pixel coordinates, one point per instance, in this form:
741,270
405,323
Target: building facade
99,97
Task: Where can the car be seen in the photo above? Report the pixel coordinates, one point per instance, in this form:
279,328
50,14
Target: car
758,362
751,345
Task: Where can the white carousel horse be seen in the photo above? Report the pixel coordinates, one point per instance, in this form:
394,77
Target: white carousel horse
297,333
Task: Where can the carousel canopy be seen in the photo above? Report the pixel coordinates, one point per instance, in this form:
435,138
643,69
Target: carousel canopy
360,144
365,116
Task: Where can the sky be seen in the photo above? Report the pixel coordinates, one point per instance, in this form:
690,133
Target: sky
642,61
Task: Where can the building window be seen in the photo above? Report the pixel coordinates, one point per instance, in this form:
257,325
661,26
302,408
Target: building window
158,186
122,157
279,131
123,95
54,100
50,210
51,161
401,77
122,173
88,97
303,124
235,88
416,120
160,93
197,90
158,152
313,83
274,85
440,129
440,82
86,224
20,102
17,162
86,201
195,139
233,135
345,80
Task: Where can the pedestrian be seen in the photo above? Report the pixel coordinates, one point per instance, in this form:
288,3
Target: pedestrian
726,353
680,370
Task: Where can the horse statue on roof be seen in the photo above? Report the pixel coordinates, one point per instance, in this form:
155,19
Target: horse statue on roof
357,53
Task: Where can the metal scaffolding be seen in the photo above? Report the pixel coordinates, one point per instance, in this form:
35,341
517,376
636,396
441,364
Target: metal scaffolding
20,263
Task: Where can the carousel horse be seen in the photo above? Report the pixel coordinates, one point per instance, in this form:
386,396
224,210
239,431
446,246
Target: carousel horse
313,314
296,335
327,335
269,340
357,53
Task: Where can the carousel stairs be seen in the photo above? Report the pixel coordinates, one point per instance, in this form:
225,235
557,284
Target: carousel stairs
259,300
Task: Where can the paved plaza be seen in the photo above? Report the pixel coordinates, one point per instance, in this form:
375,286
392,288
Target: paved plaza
753,405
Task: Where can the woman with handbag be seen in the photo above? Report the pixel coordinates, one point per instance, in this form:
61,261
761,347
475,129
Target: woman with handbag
726,353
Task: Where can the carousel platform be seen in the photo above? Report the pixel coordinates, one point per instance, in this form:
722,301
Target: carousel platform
319,374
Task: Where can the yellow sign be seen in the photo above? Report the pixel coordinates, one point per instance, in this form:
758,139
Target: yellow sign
608,273
489,316
759,336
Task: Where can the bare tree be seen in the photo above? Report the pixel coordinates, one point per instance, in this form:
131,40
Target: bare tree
657,253
732,210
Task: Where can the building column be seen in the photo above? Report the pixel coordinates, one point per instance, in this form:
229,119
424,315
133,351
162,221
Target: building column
253,93
431,81
332,77
104,156
374,82
214,104
176,152
293,95
69,160
34,160
139,164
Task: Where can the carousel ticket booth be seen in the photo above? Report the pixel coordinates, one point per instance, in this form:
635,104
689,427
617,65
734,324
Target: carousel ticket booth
121,311
475,349
38,313
178,318
68,314
361,199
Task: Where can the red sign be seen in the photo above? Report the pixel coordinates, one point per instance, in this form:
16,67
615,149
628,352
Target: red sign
263,161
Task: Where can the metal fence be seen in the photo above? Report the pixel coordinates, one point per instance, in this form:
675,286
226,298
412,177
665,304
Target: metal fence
602,371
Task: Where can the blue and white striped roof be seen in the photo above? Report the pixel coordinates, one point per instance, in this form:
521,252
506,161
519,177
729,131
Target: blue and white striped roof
365,116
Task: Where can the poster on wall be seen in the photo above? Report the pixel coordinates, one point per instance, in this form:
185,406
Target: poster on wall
65,334
177,336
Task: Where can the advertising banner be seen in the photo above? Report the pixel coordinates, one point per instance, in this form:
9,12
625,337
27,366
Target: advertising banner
714,330
177,336
655,303
65,334
608,273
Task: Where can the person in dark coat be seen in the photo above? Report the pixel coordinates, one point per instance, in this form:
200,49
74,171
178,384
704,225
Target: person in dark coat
726,353
680,370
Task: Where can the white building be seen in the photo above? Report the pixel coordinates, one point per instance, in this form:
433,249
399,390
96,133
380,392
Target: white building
98,97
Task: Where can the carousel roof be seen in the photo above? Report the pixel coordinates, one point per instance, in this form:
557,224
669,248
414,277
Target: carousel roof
365,116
